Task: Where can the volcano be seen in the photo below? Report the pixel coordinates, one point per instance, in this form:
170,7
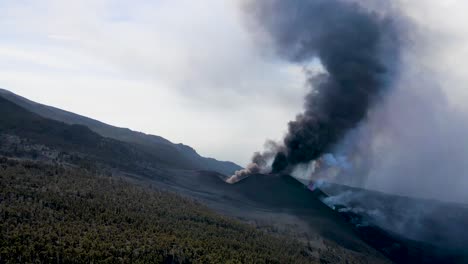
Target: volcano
277,204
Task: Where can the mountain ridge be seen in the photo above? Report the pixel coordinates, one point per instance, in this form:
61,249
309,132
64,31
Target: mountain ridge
157,144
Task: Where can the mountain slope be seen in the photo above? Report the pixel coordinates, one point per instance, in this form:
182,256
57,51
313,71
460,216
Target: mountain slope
429,231
278,203
158,146
75,143
272,204
52,214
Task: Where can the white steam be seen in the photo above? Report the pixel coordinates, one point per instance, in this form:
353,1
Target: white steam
415,142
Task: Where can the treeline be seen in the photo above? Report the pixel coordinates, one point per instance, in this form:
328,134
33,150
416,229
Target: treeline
50,213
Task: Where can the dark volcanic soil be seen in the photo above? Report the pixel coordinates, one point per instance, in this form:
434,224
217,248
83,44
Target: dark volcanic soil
286,205
406,229
279,204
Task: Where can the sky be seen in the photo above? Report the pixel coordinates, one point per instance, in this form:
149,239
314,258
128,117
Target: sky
192,72
188,71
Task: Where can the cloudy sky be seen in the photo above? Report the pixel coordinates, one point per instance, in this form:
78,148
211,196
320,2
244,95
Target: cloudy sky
189,71
184,70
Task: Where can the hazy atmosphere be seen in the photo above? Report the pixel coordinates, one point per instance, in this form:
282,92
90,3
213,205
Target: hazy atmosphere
203,75
234,131
186,71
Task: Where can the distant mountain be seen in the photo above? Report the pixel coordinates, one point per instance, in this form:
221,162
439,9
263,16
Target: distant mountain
159,147
28,135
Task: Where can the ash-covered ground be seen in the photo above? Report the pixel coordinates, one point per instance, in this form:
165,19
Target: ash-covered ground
364,228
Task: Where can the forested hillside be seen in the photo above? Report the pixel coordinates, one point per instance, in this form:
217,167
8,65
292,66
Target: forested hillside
55,214
70,195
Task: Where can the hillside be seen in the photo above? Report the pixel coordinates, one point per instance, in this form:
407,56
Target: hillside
278,203
427,231
275,206
55,214
166,151
272,204
30,134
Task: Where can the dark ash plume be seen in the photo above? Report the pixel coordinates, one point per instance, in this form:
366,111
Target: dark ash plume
358,50
355,47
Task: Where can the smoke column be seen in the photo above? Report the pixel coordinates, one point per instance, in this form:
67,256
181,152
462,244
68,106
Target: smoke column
358,50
